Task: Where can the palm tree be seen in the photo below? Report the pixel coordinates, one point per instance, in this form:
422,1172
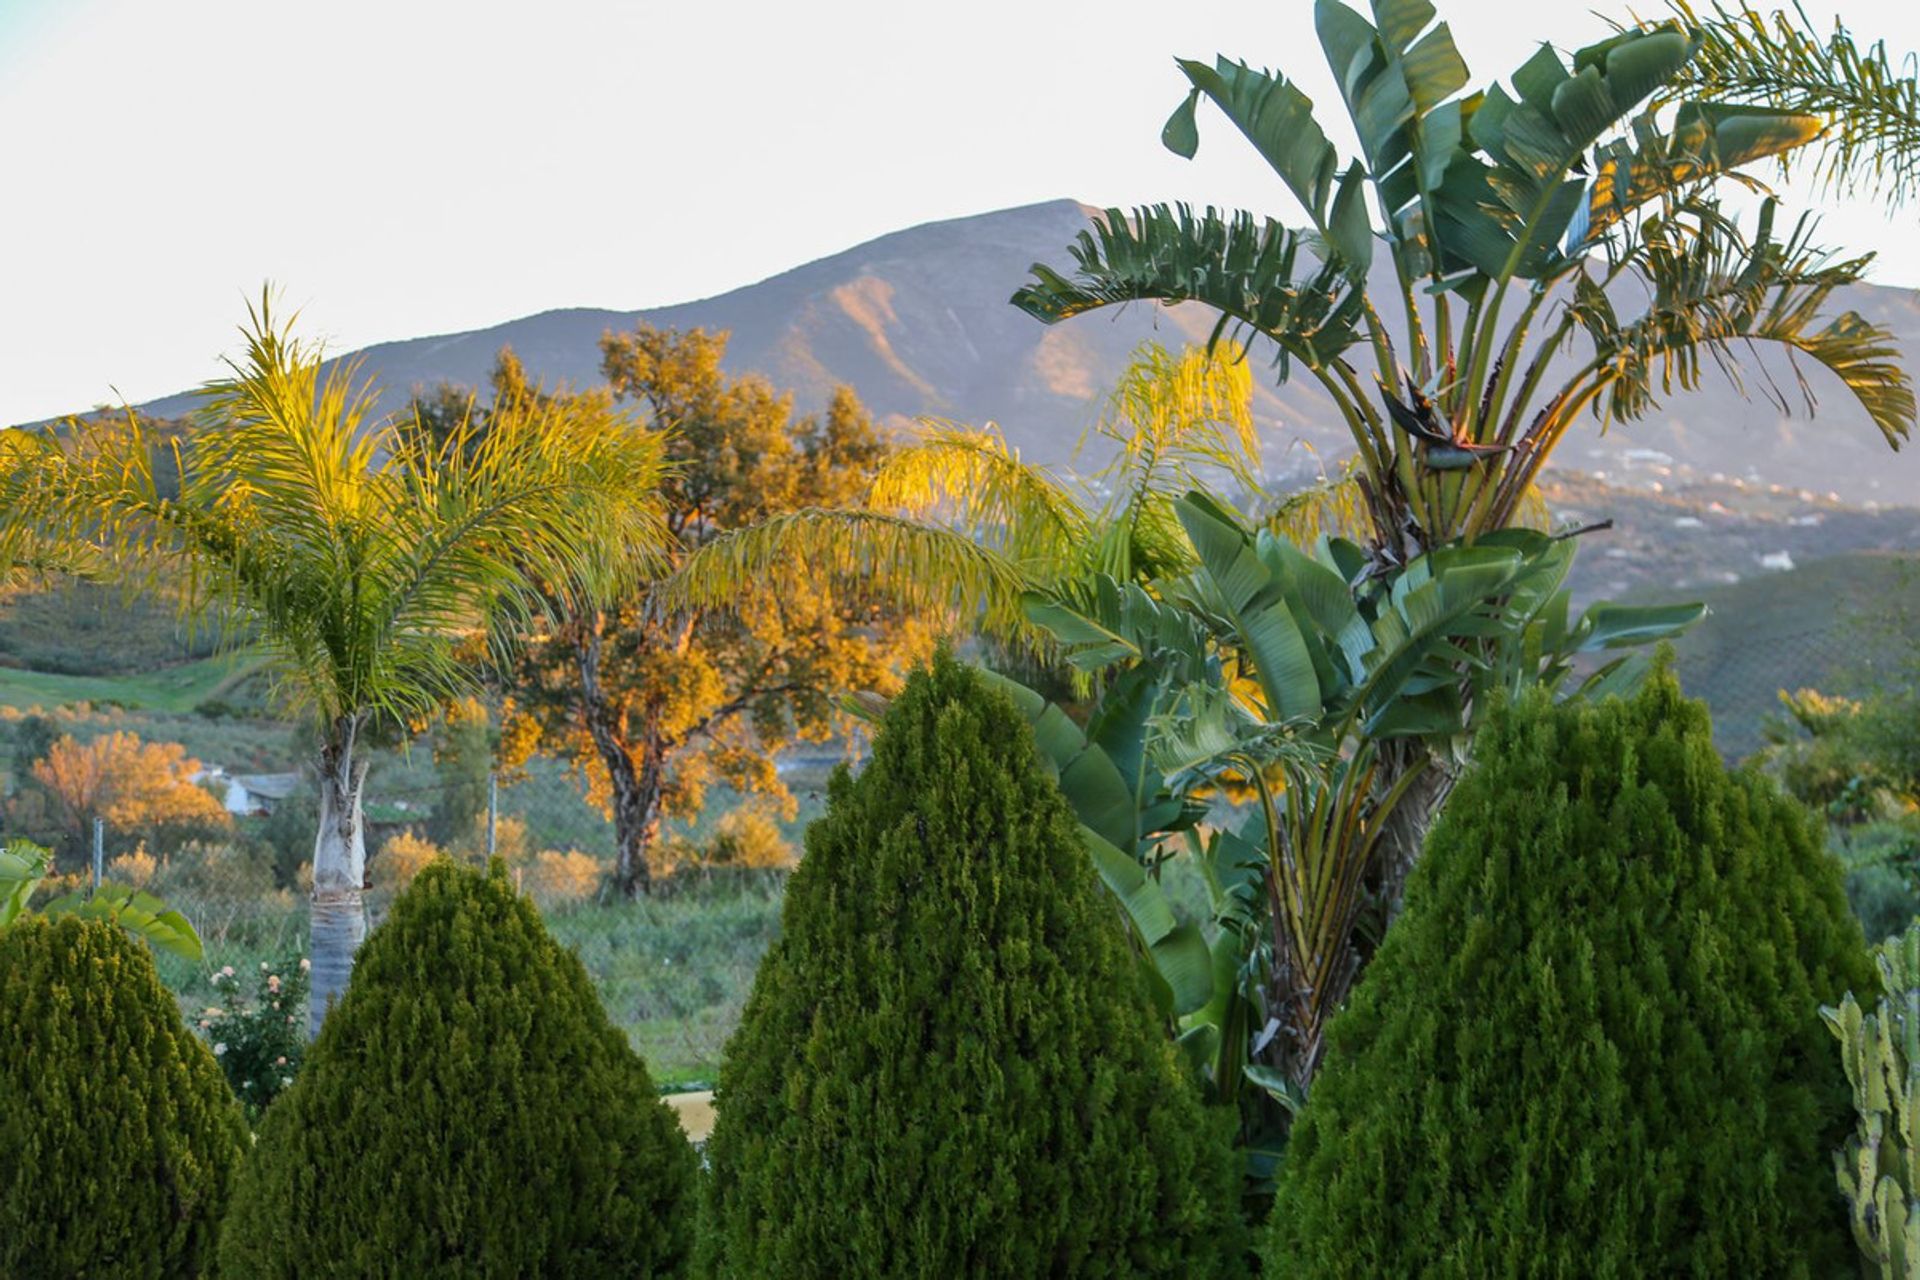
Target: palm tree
1517,223
357,553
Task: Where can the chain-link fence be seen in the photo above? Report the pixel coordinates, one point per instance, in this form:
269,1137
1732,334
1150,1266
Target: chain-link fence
1742,683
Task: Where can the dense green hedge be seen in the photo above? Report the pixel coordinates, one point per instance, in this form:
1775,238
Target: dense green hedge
467,1109
118,1136
1591,1044
949,1066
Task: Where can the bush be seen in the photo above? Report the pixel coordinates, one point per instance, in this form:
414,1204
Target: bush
118,1138
466,1110
1882,864
215,872
259,1041
1590,1045
948,1065
556,879
400,859
748,837
135,868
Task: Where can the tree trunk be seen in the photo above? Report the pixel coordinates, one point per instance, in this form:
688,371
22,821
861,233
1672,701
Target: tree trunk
636,789
636,820
1408,824
339,917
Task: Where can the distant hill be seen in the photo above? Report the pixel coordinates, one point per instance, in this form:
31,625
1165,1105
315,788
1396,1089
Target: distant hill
918,323
1829,625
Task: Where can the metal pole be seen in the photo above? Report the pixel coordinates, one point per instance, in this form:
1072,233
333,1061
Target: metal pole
99,850
493,811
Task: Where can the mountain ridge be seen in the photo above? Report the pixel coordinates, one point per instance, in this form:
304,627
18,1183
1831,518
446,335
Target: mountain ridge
918,323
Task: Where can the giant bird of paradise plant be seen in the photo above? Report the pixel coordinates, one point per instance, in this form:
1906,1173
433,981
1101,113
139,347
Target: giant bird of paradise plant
1514,222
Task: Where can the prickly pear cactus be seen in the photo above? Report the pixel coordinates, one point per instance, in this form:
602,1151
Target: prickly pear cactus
1879,1168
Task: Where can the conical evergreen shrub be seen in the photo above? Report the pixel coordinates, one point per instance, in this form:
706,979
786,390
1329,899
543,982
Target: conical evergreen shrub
1591,1044
118,1135
948,1066
467,1109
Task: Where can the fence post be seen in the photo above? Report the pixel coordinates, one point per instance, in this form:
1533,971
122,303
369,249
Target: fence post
493,810
99,850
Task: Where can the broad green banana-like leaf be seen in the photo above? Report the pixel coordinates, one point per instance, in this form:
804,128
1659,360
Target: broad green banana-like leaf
1397,80
141,914
23,865
1103,622
1256,274
1183,959
1506,216
1234,580
1179,951
1606,625
1277,118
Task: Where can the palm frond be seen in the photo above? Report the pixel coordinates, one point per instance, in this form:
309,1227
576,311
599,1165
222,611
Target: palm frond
1256,273
1173,418
1870,103
1713,292
357,559
972,480
1335,506
914,565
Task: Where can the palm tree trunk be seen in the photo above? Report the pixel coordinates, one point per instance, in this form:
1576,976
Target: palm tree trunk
339,917
1408,824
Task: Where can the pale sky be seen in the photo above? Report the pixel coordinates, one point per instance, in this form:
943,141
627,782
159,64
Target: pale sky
408,167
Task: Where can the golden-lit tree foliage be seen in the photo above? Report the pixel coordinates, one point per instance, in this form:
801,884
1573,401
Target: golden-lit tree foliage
134,786
657,701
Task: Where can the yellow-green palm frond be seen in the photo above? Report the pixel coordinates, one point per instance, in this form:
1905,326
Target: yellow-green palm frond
972,480
32,546
911,564
1335,505
1178,420
355,557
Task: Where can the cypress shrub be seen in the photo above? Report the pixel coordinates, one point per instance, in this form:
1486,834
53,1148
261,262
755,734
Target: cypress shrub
1591,1043
118,1135
948,1065
467,1109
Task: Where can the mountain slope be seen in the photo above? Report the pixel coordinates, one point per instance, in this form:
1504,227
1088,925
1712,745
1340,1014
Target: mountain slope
918,323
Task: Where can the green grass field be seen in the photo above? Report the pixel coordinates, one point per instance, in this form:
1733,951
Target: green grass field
177,689
673,971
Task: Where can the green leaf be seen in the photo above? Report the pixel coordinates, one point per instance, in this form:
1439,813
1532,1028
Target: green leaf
1278,1087
23,865
1185,962
1254,272
1348,228
1707,141
141,914
1265,628
1090,645
1618,626
1182,134
1277,118
1140,895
